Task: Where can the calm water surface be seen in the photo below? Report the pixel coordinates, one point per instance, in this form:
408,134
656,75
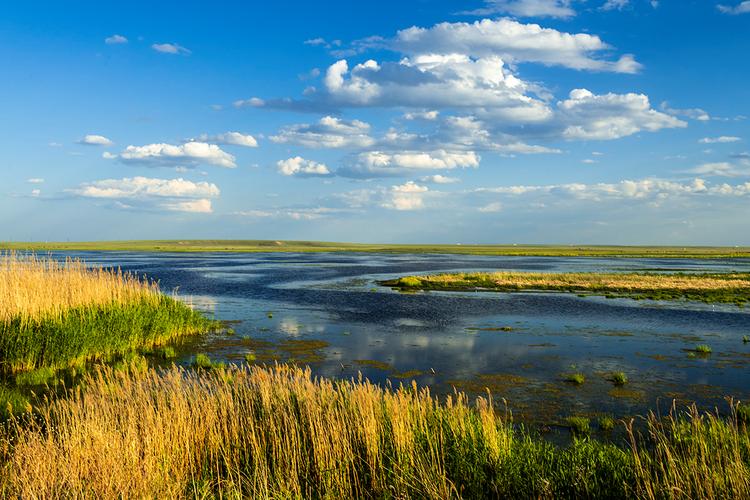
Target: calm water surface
326,310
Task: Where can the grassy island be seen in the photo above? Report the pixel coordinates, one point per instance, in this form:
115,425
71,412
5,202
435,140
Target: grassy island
733,288
55,314
280,433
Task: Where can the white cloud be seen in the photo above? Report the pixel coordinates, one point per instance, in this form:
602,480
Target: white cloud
292,213
329,132
35,180
146,192
741,168
440,179
527,8
513,41
188,154
493,207
380,163
202,206
170,48
615,4
724,139
610,116
741,8
422,115
115,39
253,102
644,189
692,113
589,161
231,138
408,196
95,140
300,167
35,193
435,81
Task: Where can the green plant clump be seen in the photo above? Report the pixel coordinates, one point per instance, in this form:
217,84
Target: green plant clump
606,423
575,378
703,349
619,379
95,332
578,425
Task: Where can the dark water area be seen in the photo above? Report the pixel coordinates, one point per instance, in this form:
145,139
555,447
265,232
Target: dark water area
326,310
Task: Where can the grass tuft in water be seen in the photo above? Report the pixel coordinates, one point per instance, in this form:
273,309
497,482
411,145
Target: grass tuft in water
606,423
703,349
619,379
575,378
579,426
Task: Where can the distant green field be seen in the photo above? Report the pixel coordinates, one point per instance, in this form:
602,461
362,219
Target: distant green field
317,246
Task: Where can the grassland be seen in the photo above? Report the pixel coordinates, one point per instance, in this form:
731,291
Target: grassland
279,433
733,288
55,314
316,246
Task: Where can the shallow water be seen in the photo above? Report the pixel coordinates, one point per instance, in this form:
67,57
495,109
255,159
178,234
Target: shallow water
326,310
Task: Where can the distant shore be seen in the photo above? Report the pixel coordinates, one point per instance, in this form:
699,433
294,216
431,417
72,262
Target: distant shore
253,246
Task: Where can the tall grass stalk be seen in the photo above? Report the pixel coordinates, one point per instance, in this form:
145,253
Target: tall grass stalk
54,314
280,433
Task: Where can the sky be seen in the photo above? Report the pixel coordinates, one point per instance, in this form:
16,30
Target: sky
495,121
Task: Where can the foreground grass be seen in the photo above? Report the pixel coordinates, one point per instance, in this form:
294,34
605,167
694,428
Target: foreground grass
55,314
727,288
318,246
279,433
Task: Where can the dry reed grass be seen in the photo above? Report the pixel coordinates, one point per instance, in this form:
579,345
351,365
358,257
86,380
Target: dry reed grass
279,433
42,288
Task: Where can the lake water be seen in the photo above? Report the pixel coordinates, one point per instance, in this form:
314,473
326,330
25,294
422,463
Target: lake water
325,310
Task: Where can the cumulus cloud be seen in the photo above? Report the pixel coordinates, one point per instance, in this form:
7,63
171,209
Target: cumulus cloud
230,138
115,40
408,196
300,167
493,207
35,180
35,193
95,140
738,168
513,41
526,8
740,8
440,179
380,163
653,189
171,48
724,139
189,154
422,115
152,193
434,81
611,116
329,132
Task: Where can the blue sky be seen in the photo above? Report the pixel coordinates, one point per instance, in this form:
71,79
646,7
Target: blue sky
504,121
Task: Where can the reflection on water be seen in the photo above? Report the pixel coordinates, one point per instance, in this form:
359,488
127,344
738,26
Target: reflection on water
326,310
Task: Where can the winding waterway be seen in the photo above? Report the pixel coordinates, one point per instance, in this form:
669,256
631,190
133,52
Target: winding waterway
326,310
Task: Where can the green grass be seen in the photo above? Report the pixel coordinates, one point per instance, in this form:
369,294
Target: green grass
703,349
575,378
37,377
606,423
580,426
745,339
729,288
280,433
317,246
99,332
619,379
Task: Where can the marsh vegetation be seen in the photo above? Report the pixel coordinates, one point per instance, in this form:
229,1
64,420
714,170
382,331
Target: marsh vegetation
278,432
57,314
733,288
